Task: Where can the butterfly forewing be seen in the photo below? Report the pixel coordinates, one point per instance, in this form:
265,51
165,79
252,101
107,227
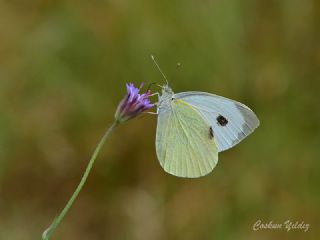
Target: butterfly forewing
231,121
183,142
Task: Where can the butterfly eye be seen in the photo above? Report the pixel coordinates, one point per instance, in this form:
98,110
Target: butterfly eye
222,121
172,98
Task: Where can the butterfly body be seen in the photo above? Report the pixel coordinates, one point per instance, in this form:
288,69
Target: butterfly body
194,126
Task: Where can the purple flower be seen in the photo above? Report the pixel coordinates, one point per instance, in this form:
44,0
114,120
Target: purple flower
133,103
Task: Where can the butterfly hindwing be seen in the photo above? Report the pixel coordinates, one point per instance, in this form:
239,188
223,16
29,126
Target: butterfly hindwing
183,142
231,121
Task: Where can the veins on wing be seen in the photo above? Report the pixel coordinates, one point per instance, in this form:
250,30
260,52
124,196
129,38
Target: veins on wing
178,121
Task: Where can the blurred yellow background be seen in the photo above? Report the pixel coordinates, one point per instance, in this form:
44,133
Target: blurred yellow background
63,69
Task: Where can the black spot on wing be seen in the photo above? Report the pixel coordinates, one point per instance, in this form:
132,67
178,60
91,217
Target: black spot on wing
211,133
222,121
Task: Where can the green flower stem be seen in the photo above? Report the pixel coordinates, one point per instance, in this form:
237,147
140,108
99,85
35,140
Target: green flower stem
47,233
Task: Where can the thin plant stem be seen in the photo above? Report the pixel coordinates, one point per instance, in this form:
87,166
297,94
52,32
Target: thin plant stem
47,233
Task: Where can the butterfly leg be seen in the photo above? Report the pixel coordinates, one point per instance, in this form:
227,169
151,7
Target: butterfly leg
152,113
146,113
157,103
155,94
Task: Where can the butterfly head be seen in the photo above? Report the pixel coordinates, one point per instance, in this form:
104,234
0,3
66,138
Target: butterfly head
165,97
166,90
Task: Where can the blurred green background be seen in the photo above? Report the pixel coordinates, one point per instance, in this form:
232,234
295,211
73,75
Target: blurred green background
63,69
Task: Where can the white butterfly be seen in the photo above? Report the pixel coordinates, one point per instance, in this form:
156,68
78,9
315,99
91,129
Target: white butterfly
194,126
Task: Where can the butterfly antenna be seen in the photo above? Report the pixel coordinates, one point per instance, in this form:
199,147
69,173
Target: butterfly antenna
155,62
